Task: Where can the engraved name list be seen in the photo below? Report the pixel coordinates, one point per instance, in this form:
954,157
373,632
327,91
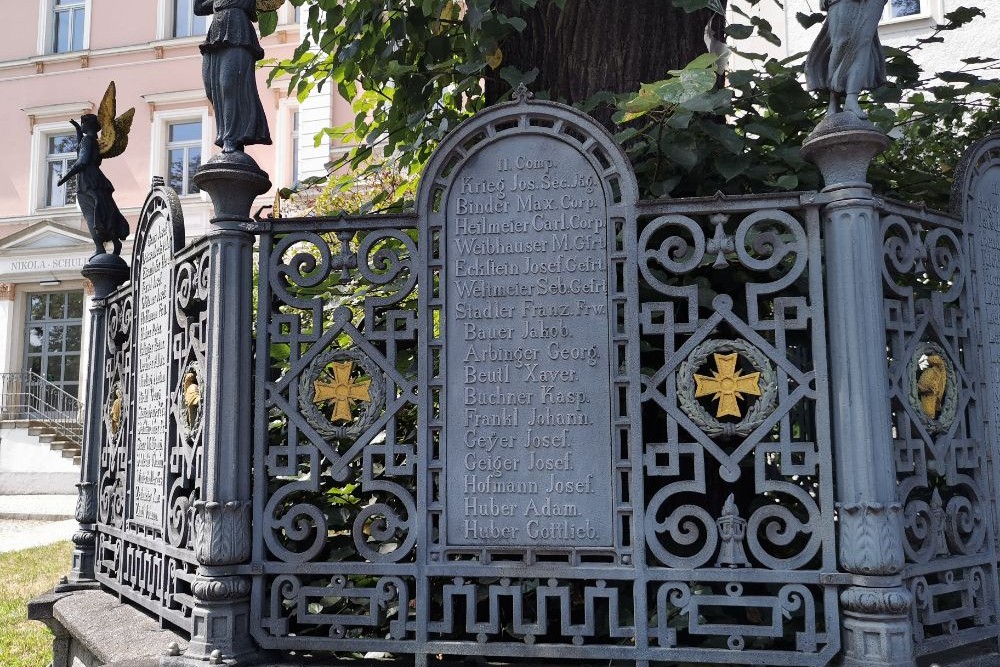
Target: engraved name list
153,322
526,320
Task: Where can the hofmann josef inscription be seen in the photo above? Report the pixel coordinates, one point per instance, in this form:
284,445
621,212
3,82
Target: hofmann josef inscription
529,382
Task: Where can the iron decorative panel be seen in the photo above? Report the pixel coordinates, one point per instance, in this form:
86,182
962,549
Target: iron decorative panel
687,341
942,457
151,452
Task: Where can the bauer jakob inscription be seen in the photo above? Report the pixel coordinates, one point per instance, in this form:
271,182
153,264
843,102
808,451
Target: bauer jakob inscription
153,322
528,371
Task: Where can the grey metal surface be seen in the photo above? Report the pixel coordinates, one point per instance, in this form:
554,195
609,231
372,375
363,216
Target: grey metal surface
679,349
151,562
943,466
352,550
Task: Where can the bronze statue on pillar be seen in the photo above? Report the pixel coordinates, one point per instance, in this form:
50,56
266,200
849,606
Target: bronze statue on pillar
100,137
847,56
230,51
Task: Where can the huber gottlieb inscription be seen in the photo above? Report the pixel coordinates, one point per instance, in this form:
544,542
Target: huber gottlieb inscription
529,381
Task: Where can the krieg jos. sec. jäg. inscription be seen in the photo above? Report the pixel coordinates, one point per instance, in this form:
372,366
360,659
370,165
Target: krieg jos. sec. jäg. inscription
528,368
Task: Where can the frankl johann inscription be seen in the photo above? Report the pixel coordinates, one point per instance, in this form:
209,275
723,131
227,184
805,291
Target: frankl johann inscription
153,322
528,413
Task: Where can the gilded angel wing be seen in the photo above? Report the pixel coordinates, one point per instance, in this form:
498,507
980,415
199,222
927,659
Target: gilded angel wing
268,5
114,131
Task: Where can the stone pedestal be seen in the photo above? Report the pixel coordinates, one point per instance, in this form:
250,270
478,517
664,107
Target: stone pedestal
107,273
875,623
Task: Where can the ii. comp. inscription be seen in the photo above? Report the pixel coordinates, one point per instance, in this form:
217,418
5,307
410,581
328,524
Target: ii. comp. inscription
526,322
153,321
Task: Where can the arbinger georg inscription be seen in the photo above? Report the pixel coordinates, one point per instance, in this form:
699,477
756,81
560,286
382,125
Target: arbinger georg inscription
529,382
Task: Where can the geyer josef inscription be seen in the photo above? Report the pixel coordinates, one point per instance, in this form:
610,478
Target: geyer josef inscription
528,424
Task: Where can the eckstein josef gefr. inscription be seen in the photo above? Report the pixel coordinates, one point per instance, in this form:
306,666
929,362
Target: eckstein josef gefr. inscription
526,320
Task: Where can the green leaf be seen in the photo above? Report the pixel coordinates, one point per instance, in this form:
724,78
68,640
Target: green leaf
961,16
788,182
739,30
730,167
725,135
809,20
267,21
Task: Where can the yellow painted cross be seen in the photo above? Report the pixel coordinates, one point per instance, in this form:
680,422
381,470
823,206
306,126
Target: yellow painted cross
726,385
342,391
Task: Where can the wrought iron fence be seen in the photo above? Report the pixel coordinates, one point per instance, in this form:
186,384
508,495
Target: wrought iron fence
30,397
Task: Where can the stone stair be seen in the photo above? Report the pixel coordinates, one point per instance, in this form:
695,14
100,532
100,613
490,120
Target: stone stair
53,438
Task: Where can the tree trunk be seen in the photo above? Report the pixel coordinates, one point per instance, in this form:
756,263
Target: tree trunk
591,46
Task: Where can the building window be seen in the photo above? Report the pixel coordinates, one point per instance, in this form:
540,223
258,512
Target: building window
906,10
61,154
183,155
186,24
54,330
69,23
901,8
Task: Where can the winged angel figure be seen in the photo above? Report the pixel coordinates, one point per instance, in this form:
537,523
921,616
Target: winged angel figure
100,137
230,50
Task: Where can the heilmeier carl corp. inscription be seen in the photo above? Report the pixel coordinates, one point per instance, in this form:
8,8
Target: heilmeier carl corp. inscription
153,326
529,453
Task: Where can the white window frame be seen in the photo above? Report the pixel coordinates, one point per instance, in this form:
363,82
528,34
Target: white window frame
161,133
929,10
165,24
38,174
67,159
47,24
288,142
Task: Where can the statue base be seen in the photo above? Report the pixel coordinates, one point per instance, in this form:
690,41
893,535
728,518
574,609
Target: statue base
233,181
843,146
106,272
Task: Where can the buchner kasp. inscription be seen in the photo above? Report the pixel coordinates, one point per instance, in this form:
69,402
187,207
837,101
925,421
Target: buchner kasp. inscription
529,380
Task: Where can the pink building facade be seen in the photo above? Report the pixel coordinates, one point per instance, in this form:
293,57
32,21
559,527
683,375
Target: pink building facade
56,59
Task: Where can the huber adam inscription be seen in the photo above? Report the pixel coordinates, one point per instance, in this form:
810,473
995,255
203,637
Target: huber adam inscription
153,322
528,413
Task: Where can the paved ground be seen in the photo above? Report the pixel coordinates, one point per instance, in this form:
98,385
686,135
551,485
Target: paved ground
32,521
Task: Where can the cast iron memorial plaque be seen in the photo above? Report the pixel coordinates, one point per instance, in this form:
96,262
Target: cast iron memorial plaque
153,319
528,417
982,215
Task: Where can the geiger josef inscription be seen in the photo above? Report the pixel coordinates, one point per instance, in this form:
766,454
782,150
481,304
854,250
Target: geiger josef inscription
529,383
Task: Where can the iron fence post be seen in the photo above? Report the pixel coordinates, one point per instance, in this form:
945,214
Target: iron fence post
875,621
107,273
221,520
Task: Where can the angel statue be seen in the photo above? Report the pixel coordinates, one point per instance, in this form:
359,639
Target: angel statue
847,56
230,52
98,138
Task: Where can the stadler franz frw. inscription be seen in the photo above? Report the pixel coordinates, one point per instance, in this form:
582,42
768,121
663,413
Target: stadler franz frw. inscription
526,319
153,322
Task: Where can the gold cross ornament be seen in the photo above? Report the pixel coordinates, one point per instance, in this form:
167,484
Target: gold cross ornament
342,392
727,385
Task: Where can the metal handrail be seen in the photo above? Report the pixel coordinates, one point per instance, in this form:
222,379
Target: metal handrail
27,396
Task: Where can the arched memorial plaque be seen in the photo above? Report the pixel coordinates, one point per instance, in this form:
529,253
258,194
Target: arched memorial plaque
160,235
525,203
